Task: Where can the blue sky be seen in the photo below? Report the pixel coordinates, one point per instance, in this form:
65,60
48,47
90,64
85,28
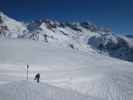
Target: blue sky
116,14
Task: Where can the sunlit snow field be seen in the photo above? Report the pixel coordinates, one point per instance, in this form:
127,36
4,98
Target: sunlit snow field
88,73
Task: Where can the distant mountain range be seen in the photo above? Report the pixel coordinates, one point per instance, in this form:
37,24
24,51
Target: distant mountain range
76,35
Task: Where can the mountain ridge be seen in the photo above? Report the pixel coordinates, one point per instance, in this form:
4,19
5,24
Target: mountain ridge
76,35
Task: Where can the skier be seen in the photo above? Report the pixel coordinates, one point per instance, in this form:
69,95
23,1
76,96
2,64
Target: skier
37,77
46,37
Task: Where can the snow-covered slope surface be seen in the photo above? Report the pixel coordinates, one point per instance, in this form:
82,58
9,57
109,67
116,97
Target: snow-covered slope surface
88,73
24,90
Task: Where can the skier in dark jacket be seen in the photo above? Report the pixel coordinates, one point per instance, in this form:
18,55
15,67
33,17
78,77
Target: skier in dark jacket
37,77
45,37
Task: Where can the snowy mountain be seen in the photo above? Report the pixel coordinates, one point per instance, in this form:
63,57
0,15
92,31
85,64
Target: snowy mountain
79,36
115,45
75,60
10,28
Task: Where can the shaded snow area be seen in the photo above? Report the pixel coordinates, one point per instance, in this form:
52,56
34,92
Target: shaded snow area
66,74
24,90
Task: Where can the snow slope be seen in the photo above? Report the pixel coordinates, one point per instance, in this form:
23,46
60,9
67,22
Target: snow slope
89,73
14,28
24,90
